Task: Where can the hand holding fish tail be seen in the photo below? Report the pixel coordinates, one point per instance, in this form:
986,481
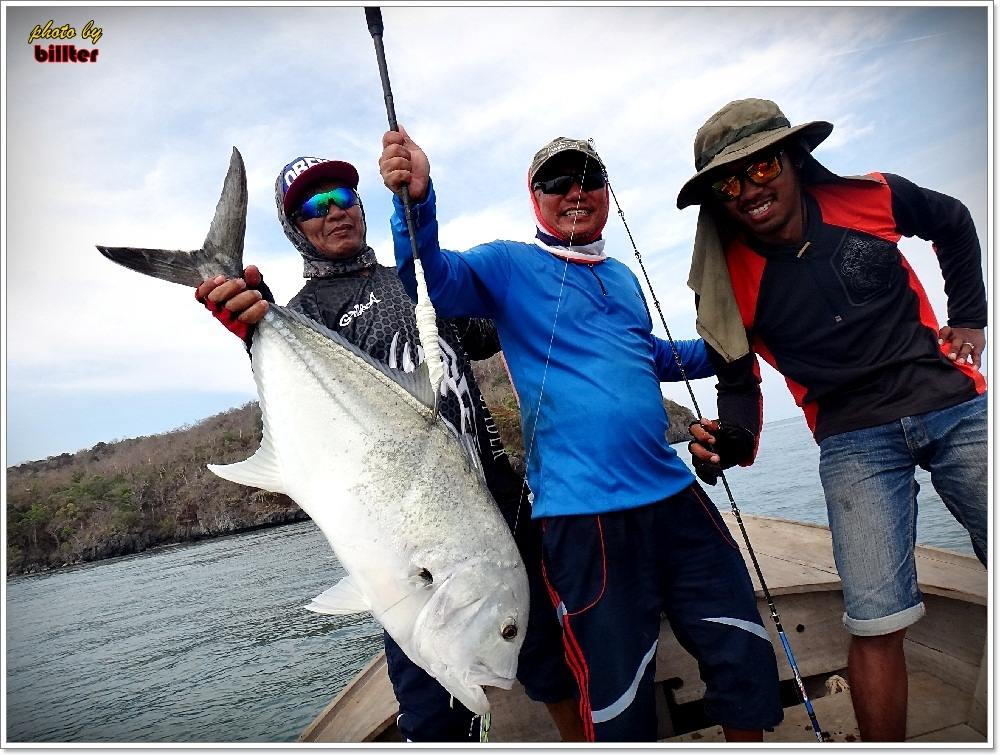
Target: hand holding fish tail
238,303
404,163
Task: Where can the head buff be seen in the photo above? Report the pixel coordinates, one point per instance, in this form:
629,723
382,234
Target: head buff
289,188
547,237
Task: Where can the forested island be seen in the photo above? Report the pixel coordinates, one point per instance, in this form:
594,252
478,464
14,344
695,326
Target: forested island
129,495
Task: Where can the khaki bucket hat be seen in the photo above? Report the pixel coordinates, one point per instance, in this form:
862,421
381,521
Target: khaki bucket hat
556,147
737,131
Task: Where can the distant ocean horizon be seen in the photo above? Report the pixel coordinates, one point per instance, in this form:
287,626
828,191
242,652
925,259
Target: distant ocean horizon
209,642
784,482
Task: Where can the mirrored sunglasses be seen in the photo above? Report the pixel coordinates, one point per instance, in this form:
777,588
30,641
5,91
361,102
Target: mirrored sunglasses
318,205
562,184
759,172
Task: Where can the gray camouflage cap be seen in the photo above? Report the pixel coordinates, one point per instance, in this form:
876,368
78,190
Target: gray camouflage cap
558,146
738,130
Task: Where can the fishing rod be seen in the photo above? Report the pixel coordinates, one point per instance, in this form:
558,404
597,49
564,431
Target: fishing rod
424,312
375,27
821,736
426,318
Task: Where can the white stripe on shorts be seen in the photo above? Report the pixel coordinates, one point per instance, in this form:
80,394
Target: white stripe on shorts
619,705
748,626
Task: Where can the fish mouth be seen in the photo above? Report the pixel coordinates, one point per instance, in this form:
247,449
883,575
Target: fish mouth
480,676
471,695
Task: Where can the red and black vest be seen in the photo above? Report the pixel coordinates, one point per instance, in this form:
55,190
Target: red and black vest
843,317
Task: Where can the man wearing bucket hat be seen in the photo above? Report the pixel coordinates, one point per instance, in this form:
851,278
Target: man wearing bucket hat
627,532
800,267
347,290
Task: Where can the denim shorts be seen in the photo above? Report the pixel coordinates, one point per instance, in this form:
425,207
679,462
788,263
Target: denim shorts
871,501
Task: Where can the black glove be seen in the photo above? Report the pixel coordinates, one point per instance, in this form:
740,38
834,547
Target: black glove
733,444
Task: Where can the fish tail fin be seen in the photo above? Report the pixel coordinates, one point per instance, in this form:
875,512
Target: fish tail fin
224,241
222,253
169,265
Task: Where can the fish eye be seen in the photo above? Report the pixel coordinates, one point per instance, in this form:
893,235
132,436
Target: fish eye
426,576
508,630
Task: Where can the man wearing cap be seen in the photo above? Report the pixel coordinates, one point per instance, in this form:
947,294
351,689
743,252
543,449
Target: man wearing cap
627,532
350,293
800,267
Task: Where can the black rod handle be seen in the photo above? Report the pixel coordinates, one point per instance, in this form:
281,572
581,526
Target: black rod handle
374,18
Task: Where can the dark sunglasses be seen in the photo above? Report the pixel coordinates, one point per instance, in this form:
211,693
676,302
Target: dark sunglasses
760,172
318,205
562,184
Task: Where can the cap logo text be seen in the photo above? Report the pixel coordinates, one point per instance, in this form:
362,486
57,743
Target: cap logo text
299,167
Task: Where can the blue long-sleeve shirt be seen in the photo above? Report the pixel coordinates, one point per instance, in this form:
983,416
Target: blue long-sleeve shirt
578,340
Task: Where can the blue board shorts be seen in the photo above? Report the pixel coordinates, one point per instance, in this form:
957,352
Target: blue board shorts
612,576
871,502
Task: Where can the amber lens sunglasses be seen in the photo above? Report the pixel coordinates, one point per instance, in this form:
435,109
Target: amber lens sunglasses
760,172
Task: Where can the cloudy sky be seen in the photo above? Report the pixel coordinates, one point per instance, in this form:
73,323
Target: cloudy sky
132,149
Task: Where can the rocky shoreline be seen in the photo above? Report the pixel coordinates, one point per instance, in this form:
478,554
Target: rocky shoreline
125,497
131,544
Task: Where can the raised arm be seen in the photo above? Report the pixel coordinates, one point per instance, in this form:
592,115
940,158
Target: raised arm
471,284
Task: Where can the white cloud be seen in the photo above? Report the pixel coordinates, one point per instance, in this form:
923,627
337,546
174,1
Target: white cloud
132,150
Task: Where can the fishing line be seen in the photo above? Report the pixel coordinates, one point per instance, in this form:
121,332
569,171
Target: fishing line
538,406
548,354
821,736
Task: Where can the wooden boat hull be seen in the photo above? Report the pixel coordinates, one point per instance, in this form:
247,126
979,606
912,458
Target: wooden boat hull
945,655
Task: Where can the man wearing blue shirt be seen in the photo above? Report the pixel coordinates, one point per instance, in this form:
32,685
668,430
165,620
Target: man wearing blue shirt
628,534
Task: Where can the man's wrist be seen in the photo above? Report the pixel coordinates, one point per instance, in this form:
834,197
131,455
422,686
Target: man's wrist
968,324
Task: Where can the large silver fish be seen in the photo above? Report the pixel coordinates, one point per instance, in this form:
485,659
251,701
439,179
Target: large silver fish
356,445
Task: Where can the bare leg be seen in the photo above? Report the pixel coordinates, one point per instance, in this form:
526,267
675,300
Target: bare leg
743,735
877,667
566,716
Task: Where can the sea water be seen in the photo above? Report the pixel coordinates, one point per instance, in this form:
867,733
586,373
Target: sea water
208,642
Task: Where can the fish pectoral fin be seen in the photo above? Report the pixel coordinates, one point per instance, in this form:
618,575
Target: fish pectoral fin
261,470
343,597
